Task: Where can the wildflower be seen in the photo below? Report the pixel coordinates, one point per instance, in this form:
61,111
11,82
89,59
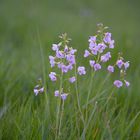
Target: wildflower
38,90
64,96
107,37
81,70
92,41
105,57
118,83
92,62
119,63
55,47
72,79
127,83
101,47
72,51
64,68
70,58
59,54
111,44
87,53
52,61
94,51
126,65
52,76
97,67
110,68
56,93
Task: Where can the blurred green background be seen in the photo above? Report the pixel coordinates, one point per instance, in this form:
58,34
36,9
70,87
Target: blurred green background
27,24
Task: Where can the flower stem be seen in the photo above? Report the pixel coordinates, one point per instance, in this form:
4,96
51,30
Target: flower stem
59,107
89,92
61,116
77,98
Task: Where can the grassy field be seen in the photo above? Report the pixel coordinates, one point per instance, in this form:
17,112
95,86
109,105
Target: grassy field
27,30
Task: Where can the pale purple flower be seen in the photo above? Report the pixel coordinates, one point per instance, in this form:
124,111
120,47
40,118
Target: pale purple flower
101,47
41,90
119,63
127,83
71,59
111,44
70,67
87,53
66,49
94,51
72,79
81,70
107,37
64,68
97,67
36,91
92,41
60,54
126,65
64,96
118,83
52,76
105,57
56,93
91,62
55,47
52,61
72,51
110,68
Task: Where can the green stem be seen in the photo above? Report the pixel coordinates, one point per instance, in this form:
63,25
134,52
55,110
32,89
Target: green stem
58,107
77,97
89,91
61,116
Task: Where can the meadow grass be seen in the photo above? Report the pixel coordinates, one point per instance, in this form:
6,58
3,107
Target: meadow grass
27,31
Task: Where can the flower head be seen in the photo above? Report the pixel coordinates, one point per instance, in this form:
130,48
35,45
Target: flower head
127,83
91,62
55,47
87,53
97,67
107,37
105,57
38,90
81,70
52,61
64,96
126,65
72,79
52,76
118,83
110,68
56,93
119,63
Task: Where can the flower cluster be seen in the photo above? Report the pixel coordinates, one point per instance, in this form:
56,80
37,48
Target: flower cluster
38,88
98,48
64,59
123,66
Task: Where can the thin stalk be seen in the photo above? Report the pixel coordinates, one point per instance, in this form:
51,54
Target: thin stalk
89,92
59,106
61,116
77,97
